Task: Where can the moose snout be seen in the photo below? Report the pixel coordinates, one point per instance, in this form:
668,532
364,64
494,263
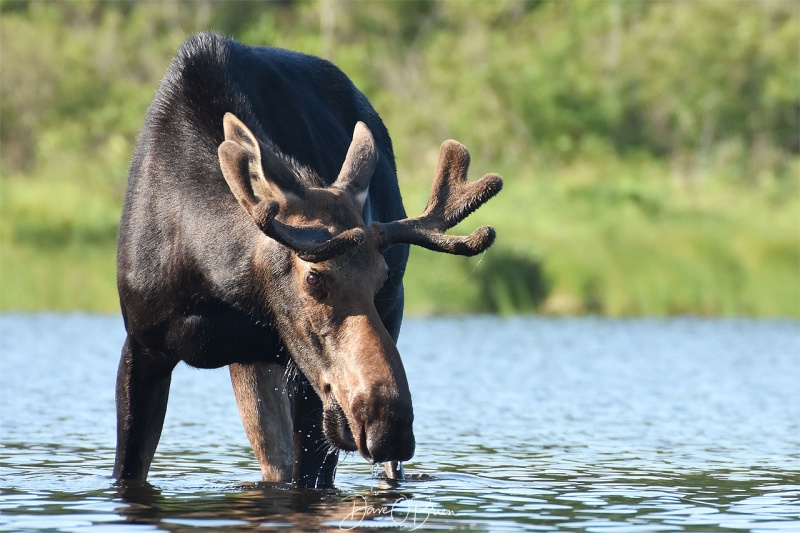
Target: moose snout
386,428
389,442
372,390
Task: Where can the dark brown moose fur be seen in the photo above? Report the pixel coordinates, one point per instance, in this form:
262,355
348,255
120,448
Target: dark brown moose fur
263,229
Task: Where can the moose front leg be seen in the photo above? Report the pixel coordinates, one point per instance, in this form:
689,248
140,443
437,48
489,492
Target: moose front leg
264,405
142,392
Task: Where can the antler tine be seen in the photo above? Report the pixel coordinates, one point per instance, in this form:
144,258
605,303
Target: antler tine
452,199
304,241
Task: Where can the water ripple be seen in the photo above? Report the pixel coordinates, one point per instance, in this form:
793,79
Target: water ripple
527,424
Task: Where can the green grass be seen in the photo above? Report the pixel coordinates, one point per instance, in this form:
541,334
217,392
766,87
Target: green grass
650,150
57,247
621,239
612,237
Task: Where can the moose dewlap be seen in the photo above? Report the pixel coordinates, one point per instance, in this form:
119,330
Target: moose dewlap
263,229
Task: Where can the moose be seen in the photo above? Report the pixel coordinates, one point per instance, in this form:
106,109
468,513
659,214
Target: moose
263,229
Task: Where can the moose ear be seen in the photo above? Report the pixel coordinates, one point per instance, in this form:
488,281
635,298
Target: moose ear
359,165
234,161
240,161
252,168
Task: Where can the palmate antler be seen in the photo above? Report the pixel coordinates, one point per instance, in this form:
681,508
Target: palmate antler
452,200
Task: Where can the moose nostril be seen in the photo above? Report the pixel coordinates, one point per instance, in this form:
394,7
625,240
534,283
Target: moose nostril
392,443
326,388
383,425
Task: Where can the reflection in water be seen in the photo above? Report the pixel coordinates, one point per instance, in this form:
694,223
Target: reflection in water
255,503
522,425
271,505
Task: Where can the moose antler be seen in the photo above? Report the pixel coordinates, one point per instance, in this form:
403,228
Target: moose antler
311,244
452,200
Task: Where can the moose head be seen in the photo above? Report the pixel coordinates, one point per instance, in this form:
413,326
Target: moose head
321,268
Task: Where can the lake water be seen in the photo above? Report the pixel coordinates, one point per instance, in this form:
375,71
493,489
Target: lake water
523,424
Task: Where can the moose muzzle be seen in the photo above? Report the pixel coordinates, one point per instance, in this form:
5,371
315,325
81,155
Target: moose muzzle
368,406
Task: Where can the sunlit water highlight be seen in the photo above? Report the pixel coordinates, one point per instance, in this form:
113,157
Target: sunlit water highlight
525,424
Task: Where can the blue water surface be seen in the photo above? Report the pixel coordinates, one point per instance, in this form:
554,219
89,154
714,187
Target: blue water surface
522,424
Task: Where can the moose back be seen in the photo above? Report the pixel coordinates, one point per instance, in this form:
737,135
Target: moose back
263,229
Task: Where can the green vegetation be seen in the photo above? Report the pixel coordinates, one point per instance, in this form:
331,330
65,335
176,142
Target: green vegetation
651,150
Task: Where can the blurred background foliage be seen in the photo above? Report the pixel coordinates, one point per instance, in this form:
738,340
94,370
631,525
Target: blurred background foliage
651,150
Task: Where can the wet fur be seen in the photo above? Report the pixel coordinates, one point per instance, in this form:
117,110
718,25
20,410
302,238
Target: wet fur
189,286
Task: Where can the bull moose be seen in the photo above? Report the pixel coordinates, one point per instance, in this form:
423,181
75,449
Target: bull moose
263,229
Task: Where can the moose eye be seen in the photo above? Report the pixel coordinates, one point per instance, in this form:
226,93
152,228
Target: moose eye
314,280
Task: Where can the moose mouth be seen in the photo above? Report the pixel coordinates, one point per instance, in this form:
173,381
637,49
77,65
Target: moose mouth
387,439
336,428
